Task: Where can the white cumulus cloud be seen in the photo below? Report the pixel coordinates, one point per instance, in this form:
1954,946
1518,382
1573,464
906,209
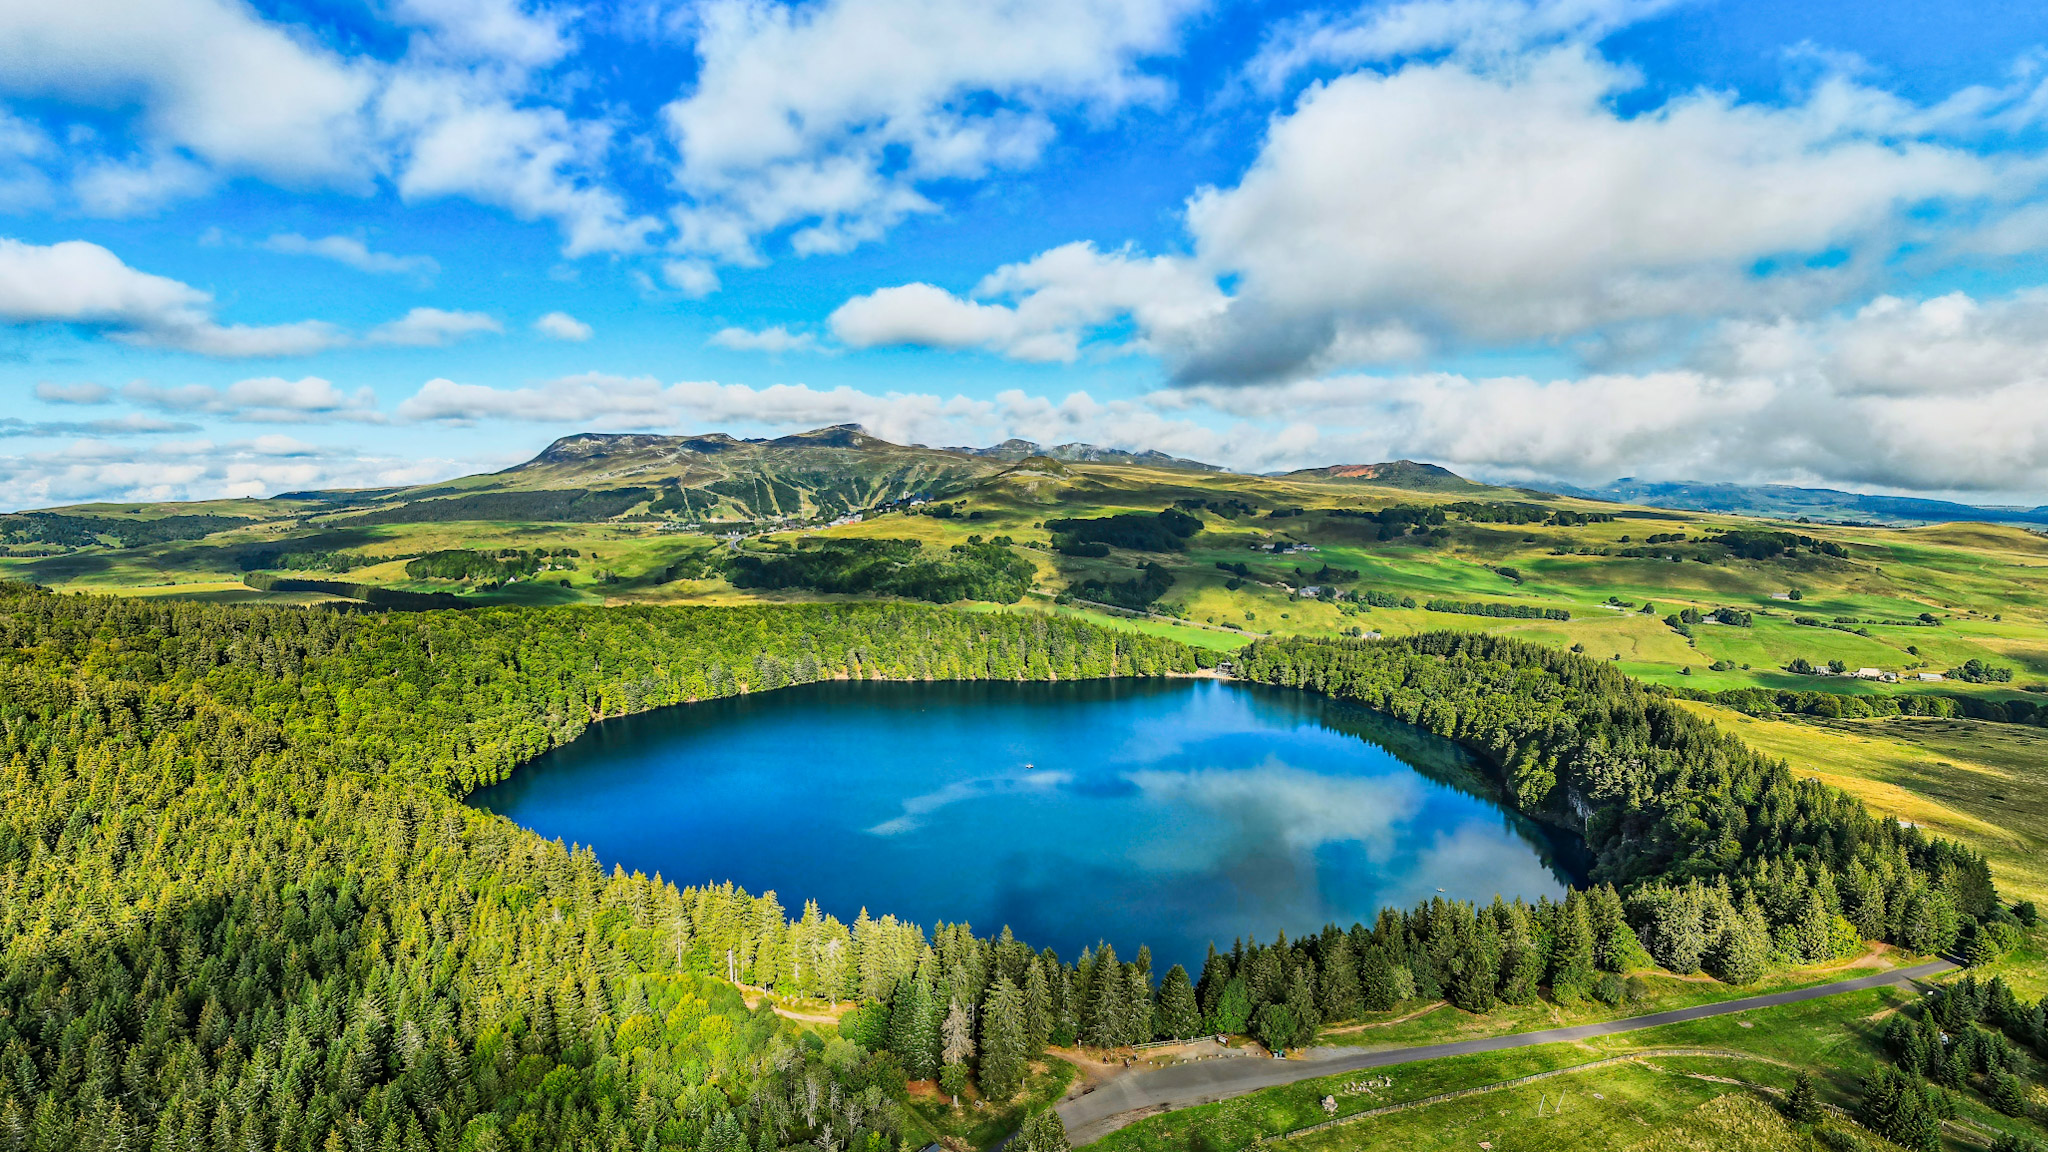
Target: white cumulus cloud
219,91
562,326
774,340
75,282
97,469
1043,307
1499,199
82,392
827,118
262,400
432,328
353,252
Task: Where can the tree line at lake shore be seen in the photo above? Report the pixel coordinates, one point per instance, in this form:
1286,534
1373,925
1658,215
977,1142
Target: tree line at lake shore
242,905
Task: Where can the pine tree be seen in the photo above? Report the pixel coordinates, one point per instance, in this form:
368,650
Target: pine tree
1301,1004
2000,1006
1376,980
1814,928
1215,974
1803,1103
2008,1092
1615,947
1043,1131
1571,951
1138,1024
956,1035
1522,960
1897,1109
2033,1027
1179,1016
1339,995
1038,1009
914,1029
1004,1058
1740,948
1082,990
1110,1003
1066,1020
1233,1008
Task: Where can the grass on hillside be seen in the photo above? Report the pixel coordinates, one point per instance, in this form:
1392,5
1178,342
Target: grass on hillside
1648,992
1621,1108
1837,1037
1983,783
1988,586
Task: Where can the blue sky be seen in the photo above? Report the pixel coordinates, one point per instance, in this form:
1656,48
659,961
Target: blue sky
247,248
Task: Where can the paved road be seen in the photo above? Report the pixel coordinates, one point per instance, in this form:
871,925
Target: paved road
1095,1115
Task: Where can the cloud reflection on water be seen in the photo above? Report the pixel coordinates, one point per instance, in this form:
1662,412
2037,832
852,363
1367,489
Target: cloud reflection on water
1473,862
915,808
1278,807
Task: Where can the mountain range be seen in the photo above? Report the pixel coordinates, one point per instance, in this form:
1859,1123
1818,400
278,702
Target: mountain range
840,469
1785,502
1015,451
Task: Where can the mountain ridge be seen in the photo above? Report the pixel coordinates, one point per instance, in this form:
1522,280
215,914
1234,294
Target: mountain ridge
1393,473
1016,449
1786,502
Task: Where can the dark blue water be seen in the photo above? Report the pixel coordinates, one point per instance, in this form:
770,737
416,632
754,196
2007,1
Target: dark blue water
1163,812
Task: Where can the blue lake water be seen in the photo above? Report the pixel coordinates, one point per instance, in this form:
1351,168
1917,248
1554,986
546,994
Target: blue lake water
1162,812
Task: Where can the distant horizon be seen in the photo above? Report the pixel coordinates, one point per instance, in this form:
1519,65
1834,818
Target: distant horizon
1551,485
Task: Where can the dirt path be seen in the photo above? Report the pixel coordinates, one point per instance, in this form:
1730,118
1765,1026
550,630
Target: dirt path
1425,1010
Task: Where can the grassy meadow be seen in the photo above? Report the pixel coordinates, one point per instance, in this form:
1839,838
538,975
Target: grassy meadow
1983,783
1691,1086
1983,589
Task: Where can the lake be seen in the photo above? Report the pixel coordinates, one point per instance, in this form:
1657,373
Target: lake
1162,812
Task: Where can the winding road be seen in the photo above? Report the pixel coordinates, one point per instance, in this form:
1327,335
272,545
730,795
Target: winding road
1130,1098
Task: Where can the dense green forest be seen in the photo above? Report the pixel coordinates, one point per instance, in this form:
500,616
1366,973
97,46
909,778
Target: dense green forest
242,906
1137,593
566,505
1492,608
83,531
1973,1034
1835,705
1727,858
1167,532
376,597
976,570
497,566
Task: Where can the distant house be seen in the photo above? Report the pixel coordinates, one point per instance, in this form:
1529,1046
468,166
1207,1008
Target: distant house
1781,595
1931,676
1870,673
1309,590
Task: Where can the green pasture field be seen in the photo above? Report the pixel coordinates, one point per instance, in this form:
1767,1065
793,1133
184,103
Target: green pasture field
1987,586
1983,783
1649,991
1649,1104
1632,1107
